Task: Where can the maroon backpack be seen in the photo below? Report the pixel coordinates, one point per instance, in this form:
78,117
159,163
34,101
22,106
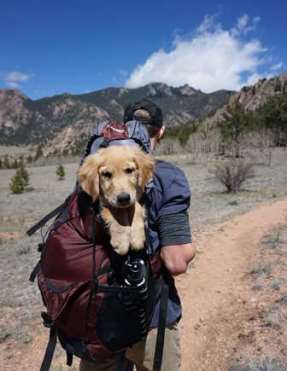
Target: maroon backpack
97,302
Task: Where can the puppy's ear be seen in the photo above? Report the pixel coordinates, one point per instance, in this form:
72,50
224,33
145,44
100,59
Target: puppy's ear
146,166
88,176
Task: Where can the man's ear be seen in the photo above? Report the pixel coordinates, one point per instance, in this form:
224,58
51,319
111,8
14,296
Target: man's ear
88,176
146,166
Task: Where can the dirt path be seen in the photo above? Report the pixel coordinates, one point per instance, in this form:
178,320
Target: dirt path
216,296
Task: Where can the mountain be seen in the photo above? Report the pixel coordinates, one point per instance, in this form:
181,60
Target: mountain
63,121
252,97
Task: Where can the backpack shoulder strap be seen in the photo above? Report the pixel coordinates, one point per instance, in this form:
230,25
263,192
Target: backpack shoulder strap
47,360
157,362
49,216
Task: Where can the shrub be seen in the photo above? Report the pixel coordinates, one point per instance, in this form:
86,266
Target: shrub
233,173
17,184
20,180
60,172
23,173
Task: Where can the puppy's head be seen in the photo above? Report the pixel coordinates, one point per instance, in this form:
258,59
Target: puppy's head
117,174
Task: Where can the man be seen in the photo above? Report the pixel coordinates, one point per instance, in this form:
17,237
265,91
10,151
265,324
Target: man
169,233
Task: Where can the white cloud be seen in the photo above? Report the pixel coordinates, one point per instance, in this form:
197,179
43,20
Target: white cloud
15,78
277,66
212,58
245,25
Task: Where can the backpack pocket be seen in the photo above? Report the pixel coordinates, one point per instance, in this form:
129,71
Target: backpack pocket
56,294
118,325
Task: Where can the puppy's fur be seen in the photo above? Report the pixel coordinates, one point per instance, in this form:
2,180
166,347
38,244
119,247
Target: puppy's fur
117,175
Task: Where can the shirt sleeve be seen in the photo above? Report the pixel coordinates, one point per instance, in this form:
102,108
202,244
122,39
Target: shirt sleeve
175,196
172,212
174,229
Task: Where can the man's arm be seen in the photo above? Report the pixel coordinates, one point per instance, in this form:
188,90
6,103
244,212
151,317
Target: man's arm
177,257
177,249
173,223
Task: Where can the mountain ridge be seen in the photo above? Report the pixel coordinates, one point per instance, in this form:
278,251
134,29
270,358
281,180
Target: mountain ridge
62,123
24,121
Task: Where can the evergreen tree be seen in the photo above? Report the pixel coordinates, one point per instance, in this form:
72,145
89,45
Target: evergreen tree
273,116
60,172
23,173
17,184
235,124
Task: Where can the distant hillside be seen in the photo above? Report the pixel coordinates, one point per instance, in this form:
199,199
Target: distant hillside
63,121
252,97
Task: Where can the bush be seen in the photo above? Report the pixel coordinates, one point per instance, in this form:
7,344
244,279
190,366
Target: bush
233,173
23,173
20,180
17,184
60,172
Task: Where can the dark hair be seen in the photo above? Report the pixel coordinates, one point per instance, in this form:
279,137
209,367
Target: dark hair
145,111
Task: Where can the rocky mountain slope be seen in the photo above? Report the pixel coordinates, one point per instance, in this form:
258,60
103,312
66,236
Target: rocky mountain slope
254,96
64,120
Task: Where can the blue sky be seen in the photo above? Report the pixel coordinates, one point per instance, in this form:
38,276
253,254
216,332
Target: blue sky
51,47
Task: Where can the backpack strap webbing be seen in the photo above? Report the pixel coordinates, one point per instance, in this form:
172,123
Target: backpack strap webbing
46,218
157,361
47,360
35,271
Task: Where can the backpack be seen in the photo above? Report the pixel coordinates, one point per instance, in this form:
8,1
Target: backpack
97,302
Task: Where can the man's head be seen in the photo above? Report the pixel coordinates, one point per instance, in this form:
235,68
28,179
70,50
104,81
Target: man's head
150,115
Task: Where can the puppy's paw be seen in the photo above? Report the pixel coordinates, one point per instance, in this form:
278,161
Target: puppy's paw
137,239
121,246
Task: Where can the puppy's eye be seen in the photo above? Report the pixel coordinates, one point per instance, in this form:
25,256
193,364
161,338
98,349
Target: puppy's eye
129,170
107,174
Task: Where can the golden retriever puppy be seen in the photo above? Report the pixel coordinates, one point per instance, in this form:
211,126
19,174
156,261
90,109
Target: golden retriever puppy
117,175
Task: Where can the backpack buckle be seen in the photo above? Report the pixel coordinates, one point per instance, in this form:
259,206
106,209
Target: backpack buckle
47,322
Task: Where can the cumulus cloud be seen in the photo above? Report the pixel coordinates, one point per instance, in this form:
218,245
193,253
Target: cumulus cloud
15,78
211,58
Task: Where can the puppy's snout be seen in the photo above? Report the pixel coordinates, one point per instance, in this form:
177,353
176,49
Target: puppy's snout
123,199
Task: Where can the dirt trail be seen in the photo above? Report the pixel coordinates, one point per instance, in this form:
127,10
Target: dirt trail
216,297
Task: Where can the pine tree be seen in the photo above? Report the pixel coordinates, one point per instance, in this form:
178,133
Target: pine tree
17,184
60,172
273,116
23,173
236,122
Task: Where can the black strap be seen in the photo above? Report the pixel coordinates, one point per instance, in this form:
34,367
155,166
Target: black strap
69,359
47,360
46,218
35,271
49,216
157,361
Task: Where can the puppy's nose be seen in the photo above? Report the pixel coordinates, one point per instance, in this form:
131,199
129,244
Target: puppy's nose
123,198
